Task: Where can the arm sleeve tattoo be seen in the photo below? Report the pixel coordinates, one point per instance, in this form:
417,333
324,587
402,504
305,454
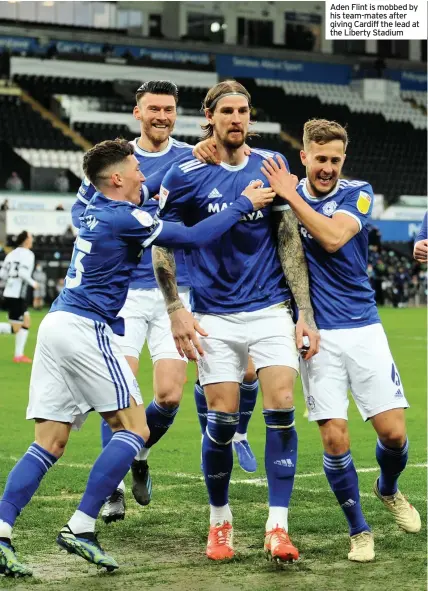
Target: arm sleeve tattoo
293,262
165,273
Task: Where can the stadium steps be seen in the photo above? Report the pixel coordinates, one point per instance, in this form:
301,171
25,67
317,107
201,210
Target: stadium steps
56,122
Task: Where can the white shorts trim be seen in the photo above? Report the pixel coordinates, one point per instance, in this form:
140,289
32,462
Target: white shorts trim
81,371
146,318
358,359
268,335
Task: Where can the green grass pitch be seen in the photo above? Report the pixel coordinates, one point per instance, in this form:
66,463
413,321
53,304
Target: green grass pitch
162,546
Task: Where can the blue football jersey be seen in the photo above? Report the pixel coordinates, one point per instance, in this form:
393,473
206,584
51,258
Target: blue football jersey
341,294
241,272
107,249
106,253
423,231
153,165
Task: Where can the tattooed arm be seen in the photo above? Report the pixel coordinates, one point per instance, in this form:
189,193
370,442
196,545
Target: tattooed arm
165,273
183,325
294,265
293,262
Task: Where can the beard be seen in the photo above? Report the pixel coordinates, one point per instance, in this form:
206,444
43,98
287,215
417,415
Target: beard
232,143
155,135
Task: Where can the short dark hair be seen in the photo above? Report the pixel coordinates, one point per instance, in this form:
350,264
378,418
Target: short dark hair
103,155
22,237
157,87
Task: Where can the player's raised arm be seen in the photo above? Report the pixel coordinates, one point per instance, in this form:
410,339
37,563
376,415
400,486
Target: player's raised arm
332,233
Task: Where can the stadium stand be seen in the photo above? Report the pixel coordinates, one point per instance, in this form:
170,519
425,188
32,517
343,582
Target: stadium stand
373,144
380,132
25,128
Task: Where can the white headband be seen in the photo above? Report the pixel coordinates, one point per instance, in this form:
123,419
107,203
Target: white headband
215,101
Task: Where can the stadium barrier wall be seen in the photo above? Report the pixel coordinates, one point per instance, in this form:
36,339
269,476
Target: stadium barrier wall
397,231
39,222
226,65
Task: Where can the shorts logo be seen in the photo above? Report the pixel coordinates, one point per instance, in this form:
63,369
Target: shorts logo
310,403
398,394
329,208
395,376
163,196
364,202
144,218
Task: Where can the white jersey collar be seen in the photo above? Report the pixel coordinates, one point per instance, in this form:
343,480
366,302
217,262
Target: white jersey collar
231,168
146,154
312,198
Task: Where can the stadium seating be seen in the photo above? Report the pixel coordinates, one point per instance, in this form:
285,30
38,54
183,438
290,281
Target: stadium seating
373,144
23,127
97,95
65,159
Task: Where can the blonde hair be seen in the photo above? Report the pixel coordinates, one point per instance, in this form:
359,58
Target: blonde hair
322,131
213,96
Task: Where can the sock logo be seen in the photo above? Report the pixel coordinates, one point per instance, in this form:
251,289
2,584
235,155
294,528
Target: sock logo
286,463
349,503
218,476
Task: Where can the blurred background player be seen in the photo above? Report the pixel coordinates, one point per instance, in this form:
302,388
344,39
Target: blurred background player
39,293
354,350
240,296
17,271
420,251
87,370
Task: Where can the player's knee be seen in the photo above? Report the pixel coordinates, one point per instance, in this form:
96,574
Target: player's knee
141,431
144,433
55,445
280,399
221,426
170,397
394,437
250,376
335,436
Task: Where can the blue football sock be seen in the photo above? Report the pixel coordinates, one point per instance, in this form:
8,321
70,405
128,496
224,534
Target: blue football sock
392,462
343,480
217,456
280,455
106,433
159,420
23,481
109,469
201,406
248,397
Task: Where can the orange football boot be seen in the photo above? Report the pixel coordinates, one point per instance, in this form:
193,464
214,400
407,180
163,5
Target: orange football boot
22,359
278,546
220,542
